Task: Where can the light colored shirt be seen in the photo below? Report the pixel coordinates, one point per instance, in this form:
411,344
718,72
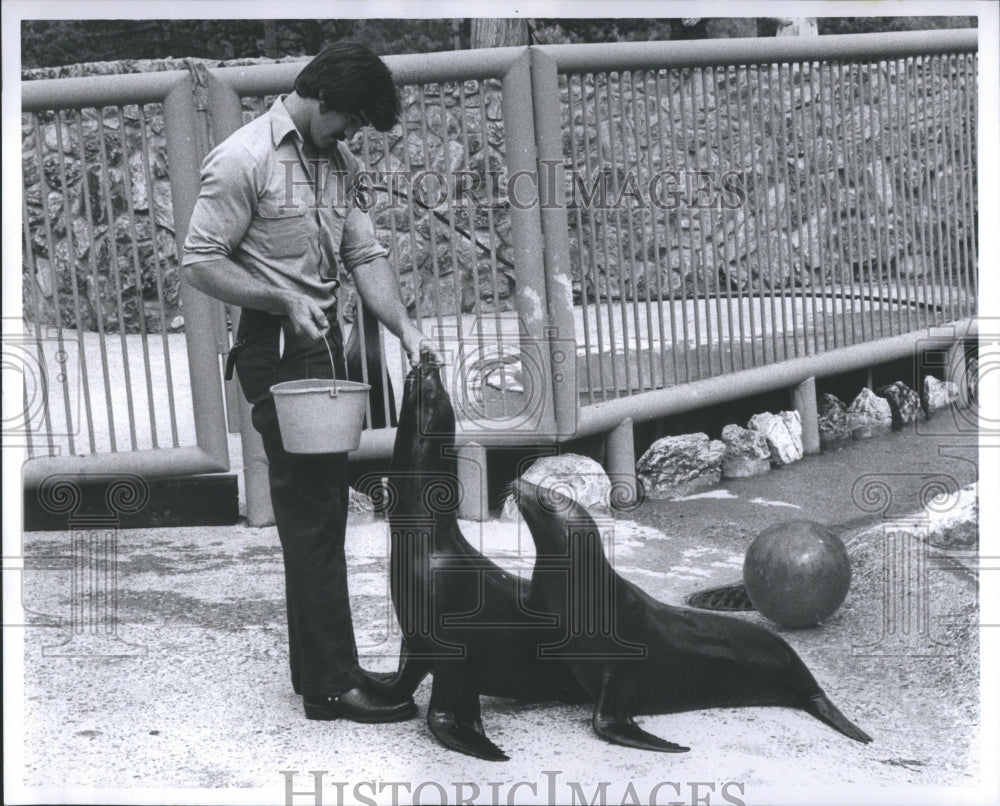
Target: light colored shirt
283,218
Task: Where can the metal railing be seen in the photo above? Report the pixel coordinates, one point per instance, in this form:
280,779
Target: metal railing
113,392
840,223
736,204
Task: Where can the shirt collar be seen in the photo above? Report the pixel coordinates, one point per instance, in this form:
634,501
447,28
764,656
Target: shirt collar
281,122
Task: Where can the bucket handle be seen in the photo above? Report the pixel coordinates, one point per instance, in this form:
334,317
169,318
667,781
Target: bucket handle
333,368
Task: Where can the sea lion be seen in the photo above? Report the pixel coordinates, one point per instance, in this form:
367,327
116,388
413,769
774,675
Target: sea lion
636,655
462,617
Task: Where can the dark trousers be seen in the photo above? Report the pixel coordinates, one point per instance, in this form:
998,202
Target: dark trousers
309,494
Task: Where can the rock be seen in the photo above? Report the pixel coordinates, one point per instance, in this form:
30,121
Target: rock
678,466
869,415
358,502
938,394
904,403
953,519
579,477
747,453
834,427
783,434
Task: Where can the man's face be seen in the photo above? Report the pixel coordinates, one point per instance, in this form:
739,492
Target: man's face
330,126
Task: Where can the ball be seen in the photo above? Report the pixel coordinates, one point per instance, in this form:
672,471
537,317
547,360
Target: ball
797,573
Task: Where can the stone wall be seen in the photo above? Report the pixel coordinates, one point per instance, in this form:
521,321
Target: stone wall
838,187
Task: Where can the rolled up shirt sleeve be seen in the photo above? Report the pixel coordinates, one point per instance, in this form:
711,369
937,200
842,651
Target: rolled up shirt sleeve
359,245
224,207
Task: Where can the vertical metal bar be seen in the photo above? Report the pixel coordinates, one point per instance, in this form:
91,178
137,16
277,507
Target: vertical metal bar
491,222
969,231
651,137
114,272
411,220
900,187
812,213
906,159
666,231
473,245
626,345
971,135
847,139
158,271
887,252
920,128
67,214
787,278
35,319
431,222
630,240
54,276
548,121
609,301
705,231
726,157
958,155
945,186
585,130
766,217
824,210
745,157
98,307
184,154
526,225
684,85
860,186
833,240
638,99
574,155
864,227
137,271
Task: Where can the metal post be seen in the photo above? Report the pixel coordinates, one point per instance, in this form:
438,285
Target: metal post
804,402
620,459
555,235
473,500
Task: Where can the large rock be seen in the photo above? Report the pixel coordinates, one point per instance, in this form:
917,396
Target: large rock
938,394
904,403
783,433
579,477
869,415
834,426
747,453
953,520
678,466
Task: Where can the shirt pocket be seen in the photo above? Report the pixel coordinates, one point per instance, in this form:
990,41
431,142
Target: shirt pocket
283,230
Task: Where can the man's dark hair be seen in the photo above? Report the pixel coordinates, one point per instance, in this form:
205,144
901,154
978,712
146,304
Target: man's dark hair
350,77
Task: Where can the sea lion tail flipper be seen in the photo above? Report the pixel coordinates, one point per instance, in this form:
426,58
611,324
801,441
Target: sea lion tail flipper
401,683
613,721
825,711
465,736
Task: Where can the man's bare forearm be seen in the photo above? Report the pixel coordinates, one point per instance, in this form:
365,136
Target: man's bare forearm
229,282
378,286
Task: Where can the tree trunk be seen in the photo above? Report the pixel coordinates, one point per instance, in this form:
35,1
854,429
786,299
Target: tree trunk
492,32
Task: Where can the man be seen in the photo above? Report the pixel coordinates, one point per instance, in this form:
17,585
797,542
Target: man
274,221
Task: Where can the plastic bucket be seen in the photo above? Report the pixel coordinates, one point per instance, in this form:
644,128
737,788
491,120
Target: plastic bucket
320,415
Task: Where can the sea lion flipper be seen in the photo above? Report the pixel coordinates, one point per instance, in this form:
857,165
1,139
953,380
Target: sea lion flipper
464,736
401,683
825,711
613,720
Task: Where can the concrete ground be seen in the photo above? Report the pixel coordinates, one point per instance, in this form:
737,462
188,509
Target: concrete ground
191,702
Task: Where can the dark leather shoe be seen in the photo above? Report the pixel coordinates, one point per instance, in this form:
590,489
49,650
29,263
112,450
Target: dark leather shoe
359,705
